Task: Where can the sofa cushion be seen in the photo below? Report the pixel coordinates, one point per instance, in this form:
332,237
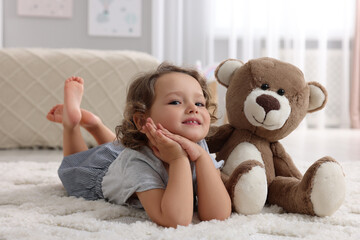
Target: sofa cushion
32,81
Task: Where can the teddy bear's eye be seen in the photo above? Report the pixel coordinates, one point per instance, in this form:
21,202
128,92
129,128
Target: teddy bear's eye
265,86
281,92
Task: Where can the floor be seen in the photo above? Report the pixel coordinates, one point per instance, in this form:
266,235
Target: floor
302,145
42,155
310,145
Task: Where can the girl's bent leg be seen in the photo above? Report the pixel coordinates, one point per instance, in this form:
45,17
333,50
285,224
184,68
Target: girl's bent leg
89,121
73,141
96,127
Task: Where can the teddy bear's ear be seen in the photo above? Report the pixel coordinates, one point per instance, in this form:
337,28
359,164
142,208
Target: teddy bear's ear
318,97
225,70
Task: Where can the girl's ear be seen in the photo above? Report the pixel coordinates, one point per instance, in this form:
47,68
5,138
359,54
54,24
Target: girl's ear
139,120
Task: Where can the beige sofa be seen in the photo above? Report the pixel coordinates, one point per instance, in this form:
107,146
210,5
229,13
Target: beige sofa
32,80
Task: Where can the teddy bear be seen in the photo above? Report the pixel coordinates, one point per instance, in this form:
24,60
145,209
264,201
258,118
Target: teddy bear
266,100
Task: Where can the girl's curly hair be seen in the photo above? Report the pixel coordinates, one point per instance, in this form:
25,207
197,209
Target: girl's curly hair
140,98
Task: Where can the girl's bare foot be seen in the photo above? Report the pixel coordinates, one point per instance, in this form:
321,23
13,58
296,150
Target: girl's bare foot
88,119
73,92
55,114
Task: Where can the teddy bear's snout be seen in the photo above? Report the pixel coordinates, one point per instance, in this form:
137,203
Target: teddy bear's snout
268,102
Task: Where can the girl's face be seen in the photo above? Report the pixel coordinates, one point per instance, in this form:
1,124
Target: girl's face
179,106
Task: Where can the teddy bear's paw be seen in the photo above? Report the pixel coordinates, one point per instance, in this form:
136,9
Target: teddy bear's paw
250,191
328,191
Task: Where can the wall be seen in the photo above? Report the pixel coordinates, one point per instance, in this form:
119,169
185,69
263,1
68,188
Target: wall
22,31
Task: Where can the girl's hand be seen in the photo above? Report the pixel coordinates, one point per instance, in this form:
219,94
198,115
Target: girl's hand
163,147
192,149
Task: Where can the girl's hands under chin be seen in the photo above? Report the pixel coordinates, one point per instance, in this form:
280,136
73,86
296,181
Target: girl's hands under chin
192,149
165,148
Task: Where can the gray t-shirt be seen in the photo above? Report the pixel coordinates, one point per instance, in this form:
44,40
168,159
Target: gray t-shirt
137,171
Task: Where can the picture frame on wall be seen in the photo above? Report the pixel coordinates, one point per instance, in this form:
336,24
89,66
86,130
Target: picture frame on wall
114,18
45,8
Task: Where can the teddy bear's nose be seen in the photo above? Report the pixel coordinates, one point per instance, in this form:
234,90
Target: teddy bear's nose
268,102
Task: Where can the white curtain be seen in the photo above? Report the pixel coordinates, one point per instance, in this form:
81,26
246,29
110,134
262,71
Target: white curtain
180,30
316,36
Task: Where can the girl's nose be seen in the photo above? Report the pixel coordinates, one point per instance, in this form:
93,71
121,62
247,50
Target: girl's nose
192,108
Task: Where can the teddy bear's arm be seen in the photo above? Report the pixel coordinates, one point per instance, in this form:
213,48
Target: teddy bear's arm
284,166
218,136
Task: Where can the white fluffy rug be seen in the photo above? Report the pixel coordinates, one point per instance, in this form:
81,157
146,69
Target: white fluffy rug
34,206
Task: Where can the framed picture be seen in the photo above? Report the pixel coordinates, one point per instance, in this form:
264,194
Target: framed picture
115,18
45,8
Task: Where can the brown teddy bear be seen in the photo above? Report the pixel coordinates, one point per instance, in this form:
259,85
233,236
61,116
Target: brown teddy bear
266,100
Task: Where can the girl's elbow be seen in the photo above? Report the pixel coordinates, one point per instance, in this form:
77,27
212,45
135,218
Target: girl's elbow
220,214
175,222
182,220
183,223
220,217
223,216
174,219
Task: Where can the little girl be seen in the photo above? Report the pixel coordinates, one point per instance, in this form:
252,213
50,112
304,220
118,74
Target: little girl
160,160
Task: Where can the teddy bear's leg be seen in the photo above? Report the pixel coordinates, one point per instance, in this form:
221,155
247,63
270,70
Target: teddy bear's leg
247,187
320,192
328,191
